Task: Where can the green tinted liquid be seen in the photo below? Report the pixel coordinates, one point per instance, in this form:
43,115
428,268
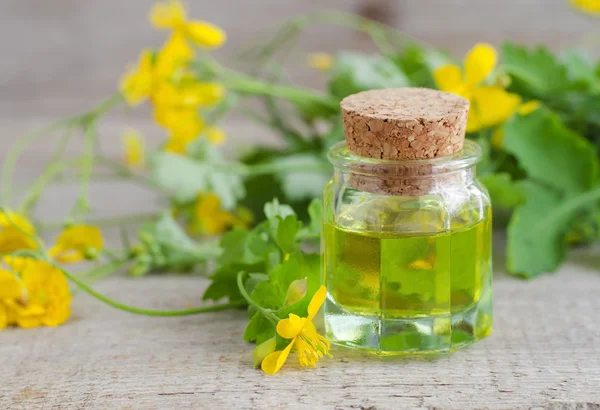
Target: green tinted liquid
406,278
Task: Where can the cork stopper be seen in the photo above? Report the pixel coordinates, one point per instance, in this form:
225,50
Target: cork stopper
404,123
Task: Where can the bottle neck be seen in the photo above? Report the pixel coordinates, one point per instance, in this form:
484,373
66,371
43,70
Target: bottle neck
403,181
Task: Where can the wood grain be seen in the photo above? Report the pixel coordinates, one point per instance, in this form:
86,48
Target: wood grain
543,353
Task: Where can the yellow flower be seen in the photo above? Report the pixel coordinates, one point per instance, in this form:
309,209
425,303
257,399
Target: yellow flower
133,148
213,220
320,61
491,105
176,109
11,236
136,84
187,93
45,298
77,243
529,107
309,344
215,135
497,138
151,71
588,6
171,15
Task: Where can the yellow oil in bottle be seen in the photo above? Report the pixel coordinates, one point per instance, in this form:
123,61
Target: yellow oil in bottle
394,294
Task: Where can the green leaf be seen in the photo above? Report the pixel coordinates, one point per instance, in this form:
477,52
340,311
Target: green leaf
268,296
536,233
538,70
298,185
236,248
580,68
551,153
286,233
533,246
315,211
355,72
204,172
168,248
419,62
504,192
259,329
236,256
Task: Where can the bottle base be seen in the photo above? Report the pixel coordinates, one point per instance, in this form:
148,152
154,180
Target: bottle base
437,335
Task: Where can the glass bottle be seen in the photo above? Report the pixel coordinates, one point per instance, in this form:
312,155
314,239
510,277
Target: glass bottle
407,227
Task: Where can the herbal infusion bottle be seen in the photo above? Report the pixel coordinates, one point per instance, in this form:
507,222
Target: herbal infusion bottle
407,227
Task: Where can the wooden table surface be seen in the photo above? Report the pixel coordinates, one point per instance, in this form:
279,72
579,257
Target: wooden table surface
544,351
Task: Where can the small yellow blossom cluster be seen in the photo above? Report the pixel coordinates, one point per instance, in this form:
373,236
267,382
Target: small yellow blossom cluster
164,78
34,292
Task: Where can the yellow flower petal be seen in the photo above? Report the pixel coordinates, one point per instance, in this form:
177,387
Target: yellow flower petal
316,302
210,218
215,135
479,63
273,362
291,327
169,14
74,243
10,287
448,78
173,56
320,61
13,233
133,148
587,6
3,316
204,34
491,106
529,107
136,84
47,298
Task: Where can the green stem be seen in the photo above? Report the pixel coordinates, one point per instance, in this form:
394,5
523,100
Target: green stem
125,172
267,313
10,161
148,312
12,157
105,222
101,272
82,205
54,166
245,84
280,167
570,206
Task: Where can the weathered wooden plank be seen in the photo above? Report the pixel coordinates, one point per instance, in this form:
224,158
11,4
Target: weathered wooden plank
544,351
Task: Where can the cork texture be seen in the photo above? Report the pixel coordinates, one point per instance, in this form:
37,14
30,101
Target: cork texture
404,123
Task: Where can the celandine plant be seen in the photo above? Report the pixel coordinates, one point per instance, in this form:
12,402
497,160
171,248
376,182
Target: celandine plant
533,112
